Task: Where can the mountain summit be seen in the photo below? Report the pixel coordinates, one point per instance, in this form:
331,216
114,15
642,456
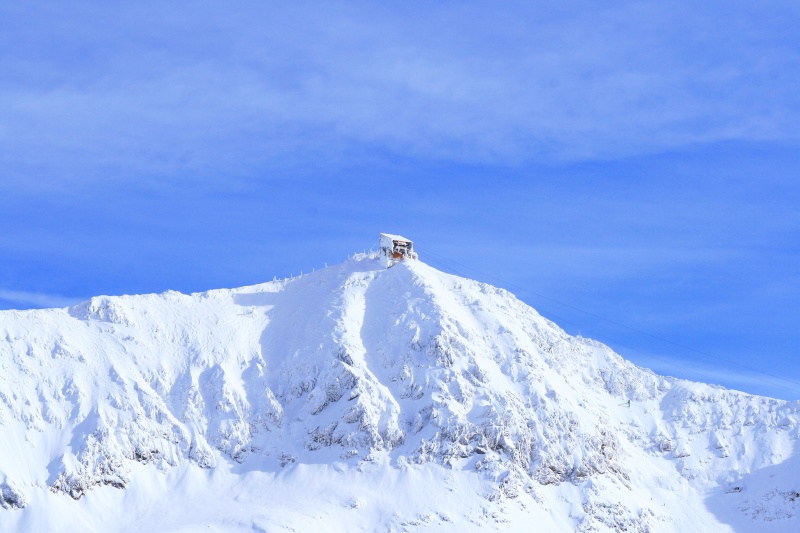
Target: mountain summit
365,398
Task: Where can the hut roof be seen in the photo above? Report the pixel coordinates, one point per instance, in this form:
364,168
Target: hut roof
395,237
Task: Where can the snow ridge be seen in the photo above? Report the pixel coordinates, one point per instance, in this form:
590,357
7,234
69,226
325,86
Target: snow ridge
405,370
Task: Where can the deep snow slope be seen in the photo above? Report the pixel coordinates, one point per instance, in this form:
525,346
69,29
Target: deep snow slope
360,398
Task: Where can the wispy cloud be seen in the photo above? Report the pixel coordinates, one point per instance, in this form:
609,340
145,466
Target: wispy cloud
149,89
728,375
26,300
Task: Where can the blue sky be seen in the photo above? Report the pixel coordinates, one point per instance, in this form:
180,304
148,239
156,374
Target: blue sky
636,161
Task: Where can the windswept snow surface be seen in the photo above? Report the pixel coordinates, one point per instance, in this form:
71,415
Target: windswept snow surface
360,398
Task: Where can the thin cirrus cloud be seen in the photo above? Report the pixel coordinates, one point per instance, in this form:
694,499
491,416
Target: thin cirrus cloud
154,90
24,299
711,370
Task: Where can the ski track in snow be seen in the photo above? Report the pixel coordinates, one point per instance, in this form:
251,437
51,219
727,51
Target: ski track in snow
360,398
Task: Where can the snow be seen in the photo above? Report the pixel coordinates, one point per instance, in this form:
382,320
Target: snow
388,238
360,398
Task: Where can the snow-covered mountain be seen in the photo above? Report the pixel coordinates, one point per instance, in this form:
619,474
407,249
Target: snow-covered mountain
361,398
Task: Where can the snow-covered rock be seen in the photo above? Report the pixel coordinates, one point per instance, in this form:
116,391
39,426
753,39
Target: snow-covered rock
370,398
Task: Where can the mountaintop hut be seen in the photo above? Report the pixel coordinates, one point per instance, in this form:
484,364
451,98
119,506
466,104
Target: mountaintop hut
396,248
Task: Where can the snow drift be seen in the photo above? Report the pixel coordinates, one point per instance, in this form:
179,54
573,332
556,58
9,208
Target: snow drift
365,398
